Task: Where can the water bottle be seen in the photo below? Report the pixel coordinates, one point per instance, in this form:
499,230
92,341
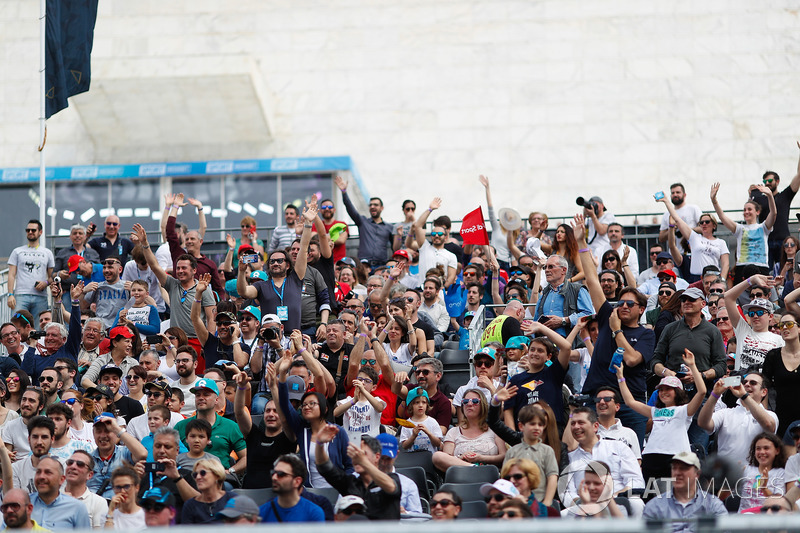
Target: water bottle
616,360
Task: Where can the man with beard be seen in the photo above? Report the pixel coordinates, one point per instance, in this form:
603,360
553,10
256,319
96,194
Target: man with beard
122,359
315,295
475,292
110,296
181,290
51,509
375,235
429,372
328,212
40,438
226,344
689,213
193,242
17,510
434,307
111,243
30,269
334,354
282,236
15,432
615,234
433,253
186,366
50,382
115,448
80,469
783,200
288,476
158,393
282,295
610,284
63,444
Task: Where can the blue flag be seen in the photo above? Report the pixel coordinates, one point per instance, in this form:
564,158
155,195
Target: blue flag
68,36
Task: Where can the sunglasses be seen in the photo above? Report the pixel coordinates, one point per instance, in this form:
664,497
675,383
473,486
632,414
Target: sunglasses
704,222
771,509
484,363
277,261
409,209
751,382
437,233
154,394
81,464
655,253
422,372
280,474
370,361
626,303
607,259
515,477
151,506
47,379
767,181
755,294
326,207
114,224
665,293
200,473
29,230
96,397
551,267
789,244
71,401
12,506
688,299
21,316
14,379
133,378
604,399
497,498
723,319
715,291
473,401
787,325
444,502
509,514
662,261
757,312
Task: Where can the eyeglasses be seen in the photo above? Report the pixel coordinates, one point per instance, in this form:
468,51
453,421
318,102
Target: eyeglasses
120,488
714,303
47,379
326,207
789,324
309,405
70,401
133,378
437,233
665,293
422,372
370,361
154,394
484,363
509,514
469,274
280,474
757,312
497,497
96,397
364,380
115,224
473,401
14,379
444,502
550,267
183,361
277,261
604,399
245,226
515,477
4,336
751,382
12,506
626,303
200,473
81,464
151,506
61,368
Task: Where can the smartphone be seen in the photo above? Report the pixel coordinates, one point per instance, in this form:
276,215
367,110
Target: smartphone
659,195
154,467
154,339
732,381
250,258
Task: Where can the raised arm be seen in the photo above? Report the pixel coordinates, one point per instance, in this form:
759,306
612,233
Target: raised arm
149,256
589,268
227,264
790,301
169,198
674,251
348,205
683,227
734,292
197,305
641,408
325,245
309,215
725,219
240,409
244,289
699,383
201,217
795,183
563,345
773,210
419,225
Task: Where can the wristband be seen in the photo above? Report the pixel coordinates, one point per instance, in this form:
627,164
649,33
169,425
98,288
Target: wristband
168,208
750,283
198,301
262,347
664,371
430,210
76,302
145,247
301,350
494,399
585,339
715,395
241,388
583,250
352,402
621,380
363,335
199,209
308,226
231,249
672,225
745,396
384,330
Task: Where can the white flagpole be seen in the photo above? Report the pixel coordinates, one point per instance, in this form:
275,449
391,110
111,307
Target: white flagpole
42,119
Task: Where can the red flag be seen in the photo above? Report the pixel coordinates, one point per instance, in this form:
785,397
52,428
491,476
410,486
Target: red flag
473,229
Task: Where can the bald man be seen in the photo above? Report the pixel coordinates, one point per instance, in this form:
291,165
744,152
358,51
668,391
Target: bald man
111,243
506,325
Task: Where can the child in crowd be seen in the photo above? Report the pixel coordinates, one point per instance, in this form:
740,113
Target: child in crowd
516,347
198,435
140,313
426,433
158,416
362,411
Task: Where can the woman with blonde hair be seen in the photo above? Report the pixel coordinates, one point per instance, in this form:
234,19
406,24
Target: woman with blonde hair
526,477
209,476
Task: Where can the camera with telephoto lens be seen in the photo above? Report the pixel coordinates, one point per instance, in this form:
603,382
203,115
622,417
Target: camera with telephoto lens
588,204
36,335
269,334
580,400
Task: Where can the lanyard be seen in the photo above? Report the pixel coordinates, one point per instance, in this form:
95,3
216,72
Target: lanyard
280,294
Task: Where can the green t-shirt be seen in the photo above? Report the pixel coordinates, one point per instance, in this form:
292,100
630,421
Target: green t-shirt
226,437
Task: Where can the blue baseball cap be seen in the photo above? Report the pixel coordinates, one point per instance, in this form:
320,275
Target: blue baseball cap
388,444
253,310
97,419
518,342
230,288
418,392
159,495
258,274
209,384
488,351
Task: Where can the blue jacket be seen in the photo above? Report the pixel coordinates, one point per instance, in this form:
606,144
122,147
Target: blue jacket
337,449
34,364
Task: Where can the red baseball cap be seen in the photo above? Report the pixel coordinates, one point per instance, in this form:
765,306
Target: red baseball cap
402,253
246,248
73,262
120,330
667,272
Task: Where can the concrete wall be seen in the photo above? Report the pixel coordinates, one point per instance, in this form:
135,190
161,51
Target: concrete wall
549,98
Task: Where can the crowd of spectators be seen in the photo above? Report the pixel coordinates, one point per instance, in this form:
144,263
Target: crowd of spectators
145,385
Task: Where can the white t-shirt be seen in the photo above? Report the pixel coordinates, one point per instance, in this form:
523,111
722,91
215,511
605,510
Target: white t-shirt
689,214
752,488
132,272
95,505
429,257
188,397
670,430
598,242
736,428
473,384
422,442
361,419
751,244
65,452
792,471
705,252
402,355
585,361
139,429
32,265
129,522
633,258
86,433
16,434
623,434
752,347
164,257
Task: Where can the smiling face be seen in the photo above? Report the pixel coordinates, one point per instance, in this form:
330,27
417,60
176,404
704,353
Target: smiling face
765,453
48,476
471,408
29,404
184,271
112,226
582,429
53,340
375,208
10,338
750,212
443,506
